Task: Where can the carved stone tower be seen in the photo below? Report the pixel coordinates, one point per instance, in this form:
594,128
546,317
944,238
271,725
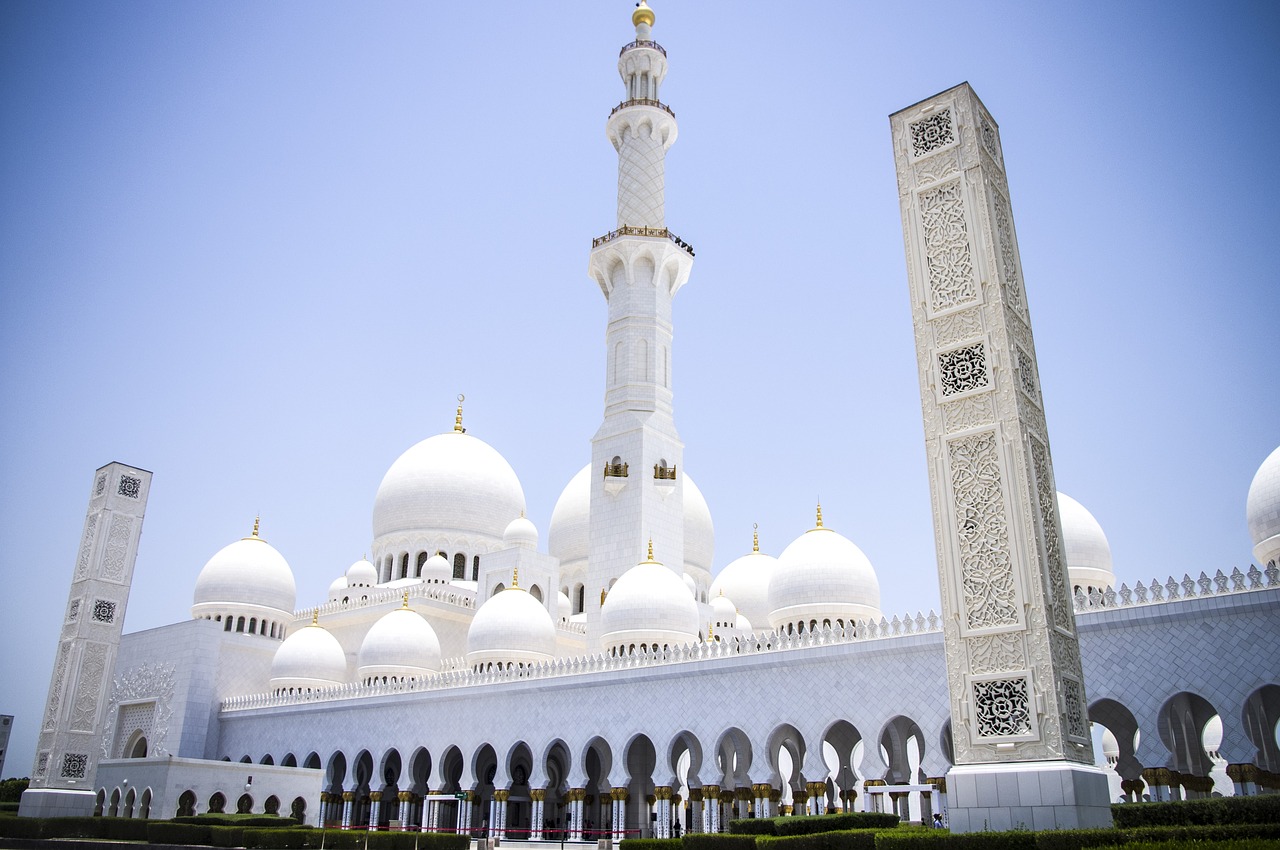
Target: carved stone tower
637,485
70,742
1019,720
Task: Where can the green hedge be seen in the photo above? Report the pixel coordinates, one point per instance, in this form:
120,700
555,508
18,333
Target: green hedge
834,823
165,832
717,841
862,839
1260,809
753,826
1241,844
940,838
650,844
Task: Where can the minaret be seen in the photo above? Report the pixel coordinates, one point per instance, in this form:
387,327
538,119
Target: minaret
1019,718
70,742
637,476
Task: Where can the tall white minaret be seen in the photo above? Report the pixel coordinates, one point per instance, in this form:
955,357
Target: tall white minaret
637,488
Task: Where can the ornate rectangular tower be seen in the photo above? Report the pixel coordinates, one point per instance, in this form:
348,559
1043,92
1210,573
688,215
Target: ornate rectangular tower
70,742
1020,726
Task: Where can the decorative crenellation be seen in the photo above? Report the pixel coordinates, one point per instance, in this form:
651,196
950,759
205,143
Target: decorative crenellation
1172,589
932,132
990,597
948,255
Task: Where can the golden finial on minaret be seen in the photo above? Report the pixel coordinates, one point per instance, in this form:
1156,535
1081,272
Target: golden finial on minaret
711,634
651,550
457,419
315,616
642,15
406,601
819,525
515,578
755,537
256,521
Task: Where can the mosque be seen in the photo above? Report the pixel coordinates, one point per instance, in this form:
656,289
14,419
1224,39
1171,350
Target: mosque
463,678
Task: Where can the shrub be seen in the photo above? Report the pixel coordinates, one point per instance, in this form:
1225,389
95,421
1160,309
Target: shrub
938,838
21,827
717,841
834,823
226,836
650,844
1241,844
73,828
167,832
753,826
11,789
849,839
1261,809
122,829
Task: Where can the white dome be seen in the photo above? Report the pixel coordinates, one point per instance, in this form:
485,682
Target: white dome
436,570
822,576
746,582
520,533
690,583
1262,510
723,612
338,588
247,576
649,605
569,535
564,608
511,627
1088,553
699,532
362,574
451,483
744,625
401,645
309,658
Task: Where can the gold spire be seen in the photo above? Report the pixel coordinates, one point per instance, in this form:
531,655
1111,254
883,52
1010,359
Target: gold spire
651,550
755,537
642,15
515,578
457,419
819,525
256,521
406,601
315,616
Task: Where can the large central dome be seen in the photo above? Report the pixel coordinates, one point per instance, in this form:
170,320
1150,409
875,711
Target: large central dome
451,483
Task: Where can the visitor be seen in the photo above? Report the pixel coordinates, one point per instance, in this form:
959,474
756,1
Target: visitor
937,820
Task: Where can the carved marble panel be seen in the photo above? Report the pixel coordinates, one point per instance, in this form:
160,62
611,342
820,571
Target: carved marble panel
1002,707
932,132
113,562
86,546
963,369
965,413
996,653
88,689
948,256
954,328
989,593
1013,295
1053,551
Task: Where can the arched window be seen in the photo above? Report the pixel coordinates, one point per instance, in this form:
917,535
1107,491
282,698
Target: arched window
536,592
253,625
579,599
422,559
244,805
404,565
460,566
217,803
240,624
298,811
186,804
475,568
226,627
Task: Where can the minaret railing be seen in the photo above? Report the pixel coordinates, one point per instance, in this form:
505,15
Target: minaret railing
630,230
642,101
636,45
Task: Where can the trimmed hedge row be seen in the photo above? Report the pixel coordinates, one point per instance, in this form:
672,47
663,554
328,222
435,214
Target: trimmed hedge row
717,841
933,839
1218,810
650,844
812,825
1243,844
862,839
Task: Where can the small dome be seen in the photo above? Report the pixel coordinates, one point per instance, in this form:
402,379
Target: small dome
564,608
338,588
248,575
648,606
401,645
723,612
511,627
1262,510
1088,553
436,570
362,574
450,483
699,531
569,535
520,533
309,658
822,578
746,581
744,625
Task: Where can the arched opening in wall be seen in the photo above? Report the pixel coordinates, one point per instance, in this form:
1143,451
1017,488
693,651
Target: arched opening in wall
579,598
733,757
838,747
785,750
312,761
1261,718
136,747
404,565
902,748
246,759
226,625
1190,728
267,759
253,625
1115,741
684,759
186,804
272,805
298,809
240,624
519,762
289,760
114,810
597,758
217,803
555,765
641,760
99,802
497,588
334,778
475,568
389,772
244,805
129,799
419,771
144,805
536,592
422,559
460,566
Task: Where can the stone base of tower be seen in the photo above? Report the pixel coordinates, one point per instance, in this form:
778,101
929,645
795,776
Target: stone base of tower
1027,795
56,803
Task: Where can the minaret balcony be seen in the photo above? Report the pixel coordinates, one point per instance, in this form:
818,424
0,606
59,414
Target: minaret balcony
640,43
629,230
642,101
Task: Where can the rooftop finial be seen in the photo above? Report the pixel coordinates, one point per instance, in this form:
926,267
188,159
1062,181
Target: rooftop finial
819,525
457,420
755,537
406,601
651,550
315,616
642,15
256,522
515,578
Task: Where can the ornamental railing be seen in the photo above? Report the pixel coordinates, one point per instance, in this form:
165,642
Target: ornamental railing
360,597
642,101
664,473
631,230
638,43
1172,589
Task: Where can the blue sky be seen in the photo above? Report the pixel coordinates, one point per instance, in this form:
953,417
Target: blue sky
258,249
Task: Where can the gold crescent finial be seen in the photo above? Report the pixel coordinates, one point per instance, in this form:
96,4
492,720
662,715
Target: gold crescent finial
406,600
711,634
256,521
755,537
457,419
650,548
315,616
819,525
515,578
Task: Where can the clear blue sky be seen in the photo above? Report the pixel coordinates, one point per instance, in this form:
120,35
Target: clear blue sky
258,248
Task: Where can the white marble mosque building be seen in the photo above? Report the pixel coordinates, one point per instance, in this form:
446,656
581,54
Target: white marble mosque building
462,677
